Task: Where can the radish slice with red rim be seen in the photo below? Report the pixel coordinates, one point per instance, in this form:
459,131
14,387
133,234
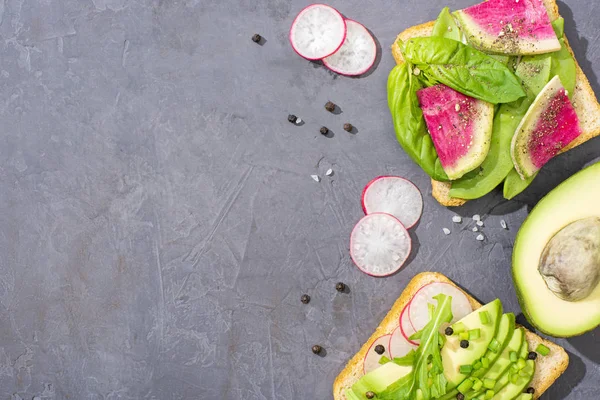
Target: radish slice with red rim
317,32
379,244
371,361
393,195
399,346
406,327
358,53
419,310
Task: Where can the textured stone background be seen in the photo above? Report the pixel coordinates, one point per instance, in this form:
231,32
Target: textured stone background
158,222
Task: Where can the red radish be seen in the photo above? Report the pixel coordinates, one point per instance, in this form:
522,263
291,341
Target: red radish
372,358
317,32
379,244
406,327
399,346
393,195
419,311
357,54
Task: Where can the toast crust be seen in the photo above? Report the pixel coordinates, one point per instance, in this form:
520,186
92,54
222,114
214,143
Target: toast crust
548,368
584,100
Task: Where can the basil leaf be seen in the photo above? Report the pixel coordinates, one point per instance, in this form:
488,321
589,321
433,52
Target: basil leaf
559,26
464,69
513,184
564,66
409,124
445,26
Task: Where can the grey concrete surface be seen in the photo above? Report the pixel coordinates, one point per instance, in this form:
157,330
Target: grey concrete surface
158,221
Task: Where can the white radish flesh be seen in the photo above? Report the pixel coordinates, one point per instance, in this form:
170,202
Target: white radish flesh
406,326
318,31
399,346
358,53
393,195
419,310
372,358
379,244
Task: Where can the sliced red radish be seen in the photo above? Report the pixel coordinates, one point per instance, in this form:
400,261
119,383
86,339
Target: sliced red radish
379,244
357,54
393,195
400,346
372,357
406,327
318,31
419,310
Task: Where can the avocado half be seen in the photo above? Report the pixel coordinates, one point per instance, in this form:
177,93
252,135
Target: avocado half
573,200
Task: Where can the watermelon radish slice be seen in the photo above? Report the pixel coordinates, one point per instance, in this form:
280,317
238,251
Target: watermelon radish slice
357,54
371,360
379,244
317,32
393,195
400,346
419,309
549,125
460,127
515,27
406,326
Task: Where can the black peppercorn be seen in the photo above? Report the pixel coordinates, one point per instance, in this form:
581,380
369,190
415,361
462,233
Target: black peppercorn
379,349
329,106
449,331
532,355
460,396
305,299
464,344
530,390
370,395
324,130
316,349
348,127
292,118
340,286
256,38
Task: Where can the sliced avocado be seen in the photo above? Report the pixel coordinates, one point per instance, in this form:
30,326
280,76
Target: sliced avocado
379,379
350,395
505,332
525,396
453,356
573,200
512,390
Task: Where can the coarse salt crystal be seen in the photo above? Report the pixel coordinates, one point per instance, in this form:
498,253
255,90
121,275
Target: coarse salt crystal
479,223
457,219
503,224
479,237
315,178
476,217
475,229
329,172
446,231
298,121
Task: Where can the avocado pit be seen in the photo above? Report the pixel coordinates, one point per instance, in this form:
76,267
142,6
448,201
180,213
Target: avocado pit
570,262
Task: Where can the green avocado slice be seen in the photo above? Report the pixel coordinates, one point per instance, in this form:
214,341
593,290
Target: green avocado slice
454,356
511,390
505,333
379,379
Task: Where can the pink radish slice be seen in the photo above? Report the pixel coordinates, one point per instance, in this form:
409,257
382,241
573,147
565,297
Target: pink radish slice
379,244
318,31
357,54
406,327
399,346
393,195
371,361
419,311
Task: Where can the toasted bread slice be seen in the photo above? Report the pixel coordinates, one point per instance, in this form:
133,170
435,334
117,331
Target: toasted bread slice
584,100
547,370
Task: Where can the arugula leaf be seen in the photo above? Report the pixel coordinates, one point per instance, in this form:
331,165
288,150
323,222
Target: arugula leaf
445,26
409,123
427,377
463,68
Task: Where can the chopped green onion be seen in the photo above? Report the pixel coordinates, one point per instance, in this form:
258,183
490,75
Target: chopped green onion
514,368
489,383
513,356
524,373
474,334
384,360
465,386
465,369
459,327
478,373
494,345
543,350
485,362
514,378
477,365
477,385
489,394
464,336
484,317
521,364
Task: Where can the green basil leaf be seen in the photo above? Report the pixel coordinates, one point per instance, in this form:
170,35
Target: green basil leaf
559,26
445,26
513,184
563,65
464,69
409,123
